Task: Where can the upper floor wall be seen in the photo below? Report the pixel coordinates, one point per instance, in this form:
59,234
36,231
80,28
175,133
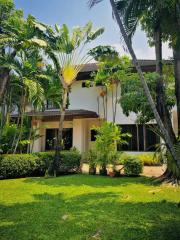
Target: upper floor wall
85,98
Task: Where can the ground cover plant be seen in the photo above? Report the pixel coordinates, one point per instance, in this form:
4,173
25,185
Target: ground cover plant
88,207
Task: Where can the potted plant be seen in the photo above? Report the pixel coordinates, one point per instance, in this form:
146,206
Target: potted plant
92,169
107,137
103,170
114,173
113,160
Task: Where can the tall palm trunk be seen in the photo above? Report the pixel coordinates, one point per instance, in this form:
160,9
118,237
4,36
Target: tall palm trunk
165,133
22,111
4,78
160,91
176,53
59,143
161,102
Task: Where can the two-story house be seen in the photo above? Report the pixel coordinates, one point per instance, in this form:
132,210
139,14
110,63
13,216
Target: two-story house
85,111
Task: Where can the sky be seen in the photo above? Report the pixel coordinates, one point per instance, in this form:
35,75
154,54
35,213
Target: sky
76,13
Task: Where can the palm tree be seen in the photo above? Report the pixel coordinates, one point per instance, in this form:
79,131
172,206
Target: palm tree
68,53
127,41
25,85
171,31
153,17
16,33
150,14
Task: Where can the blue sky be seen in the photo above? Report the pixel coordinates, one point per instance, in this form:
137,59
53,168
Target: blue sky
76,12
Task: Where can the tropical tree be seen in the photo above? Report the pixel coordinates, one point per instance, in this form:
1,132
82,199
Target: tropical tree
150,15
68,53
29,79
134,100
168,140
16,33
107,138
111,70
160,20
171,33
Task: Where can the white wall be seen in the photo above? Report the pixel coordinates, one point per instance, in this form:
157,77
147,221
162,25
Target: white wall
86,98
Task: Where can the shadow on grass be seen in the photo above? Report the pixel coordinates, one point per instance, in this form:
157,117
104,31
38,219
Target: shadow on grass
95,181
52,217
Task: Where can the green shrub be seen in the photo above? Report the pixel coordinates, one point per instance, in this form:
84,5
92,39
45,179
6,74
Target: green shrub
70,161
20,165
26,165
7,137
123,157
90,158
148,159
133,167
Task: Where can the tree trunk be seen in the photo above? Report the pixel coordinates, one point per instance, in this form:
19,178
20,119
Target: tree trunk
160,91
116,101
23,106
112,102
4,78
161,98
176,53
59,143
165,133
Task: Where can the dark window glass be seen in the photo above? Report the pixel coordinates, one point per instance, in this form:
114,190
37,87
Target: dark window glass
99,84
140,136
51,135
132,142
93,135
151,139
143,138
84,85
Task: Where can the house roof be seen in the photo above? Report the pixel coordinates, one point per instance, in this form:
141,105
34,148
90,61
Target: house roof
54,114
146,65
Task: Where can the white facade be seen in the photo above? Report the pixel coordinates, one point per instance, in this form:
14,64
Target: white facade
91,99
87,98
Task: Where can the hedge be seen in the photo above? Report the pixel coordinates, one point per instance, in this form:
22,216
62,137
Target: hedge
37,164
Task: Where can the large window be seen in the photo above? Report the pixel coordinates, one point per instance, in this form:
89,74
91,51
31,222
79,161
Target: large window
143,138
51,135
93,135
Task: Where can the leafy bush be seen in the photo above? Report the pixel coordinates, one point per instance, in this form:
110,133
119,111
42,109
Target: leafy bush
123,157
90,158
133,167
20,165
148,159
108,135
7,137
25,165
70,161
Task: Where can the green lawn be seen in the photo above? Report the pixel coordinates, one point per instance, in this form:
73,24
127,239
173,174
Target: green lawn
88,207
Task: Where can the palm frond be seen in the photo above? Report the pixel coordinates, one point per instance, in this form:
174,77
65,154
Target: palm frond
91,3
37,42
95,34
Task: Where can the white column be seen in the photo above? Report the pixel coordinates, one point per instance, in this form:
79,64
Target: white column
79,134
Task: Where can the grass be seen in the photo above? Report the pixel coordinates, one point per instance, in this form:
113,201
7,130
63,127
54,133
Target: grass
88,207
